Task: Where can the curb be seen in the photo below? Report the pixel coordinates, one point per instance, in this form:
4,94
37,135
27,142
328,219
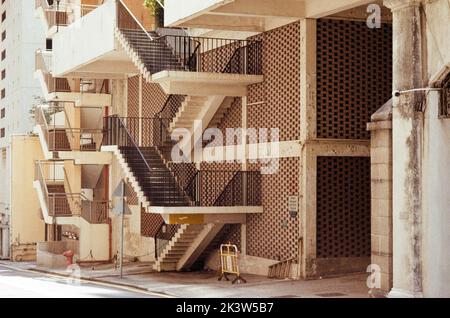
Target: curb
91,279
99,280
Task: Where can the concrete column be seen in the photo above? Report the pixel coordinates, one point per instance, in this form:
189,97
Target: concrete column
308,132
381,203
407,148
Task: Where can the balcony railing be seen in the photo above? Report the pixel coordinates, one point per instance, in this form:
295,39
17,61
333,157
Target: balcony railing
62,13
51,175
64,137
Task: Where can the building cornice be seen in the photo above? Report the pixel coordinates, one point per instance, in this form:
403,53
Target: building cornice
396,5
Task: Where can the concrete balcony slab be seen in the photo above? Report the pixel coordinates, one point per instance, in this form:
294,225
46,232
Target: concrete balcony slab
205,84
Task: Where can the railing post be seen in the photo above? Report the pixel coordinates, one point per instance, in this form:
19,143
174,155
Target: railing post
244,188
197,188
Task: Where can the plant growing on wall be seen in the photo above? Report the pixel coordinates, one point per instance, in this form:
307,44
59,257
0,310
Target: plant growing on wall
157,10
48,112
153,5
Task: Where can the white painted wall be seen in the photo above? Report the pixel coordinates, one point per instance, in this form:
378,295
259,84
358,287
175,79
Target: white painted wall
176,10
436,158
24,35
436,201
85,40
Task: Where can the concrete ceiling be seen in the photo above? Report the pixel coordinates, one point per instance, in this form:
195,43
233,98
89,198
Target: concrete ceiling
263,15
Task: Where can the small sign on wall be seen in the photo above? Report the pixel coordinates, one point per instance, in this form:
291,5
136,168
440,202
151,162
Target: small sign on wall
293,206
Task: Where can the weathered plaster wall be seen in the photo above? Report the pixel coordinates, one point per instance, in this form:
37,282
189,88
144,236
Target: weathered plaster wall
27,227
436,202
436,155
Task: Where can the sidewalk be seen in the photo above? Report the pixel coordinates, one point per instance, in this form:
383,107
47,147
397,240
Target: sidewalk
205,284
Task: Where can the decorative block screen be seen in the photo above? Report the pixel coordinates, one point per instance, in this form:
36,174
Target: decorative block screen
343,207
280,90
354,76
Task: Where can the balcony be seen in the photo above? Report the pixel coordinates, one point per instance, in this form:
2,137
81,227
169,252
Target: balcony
81,92
61,206
249,16
56,15
59,140
116,43
58,201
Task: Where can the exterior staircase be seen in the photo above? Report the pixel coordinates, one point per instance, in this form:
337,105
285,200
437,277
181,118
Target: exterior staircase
190,110
221,112
210,110
155,180
149,52
186,246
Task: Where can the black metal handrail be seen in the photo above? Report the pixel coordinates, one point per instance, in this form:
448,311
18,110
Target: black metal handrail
225,188
144,131
163,236
171,106
186,53
116,133
244,189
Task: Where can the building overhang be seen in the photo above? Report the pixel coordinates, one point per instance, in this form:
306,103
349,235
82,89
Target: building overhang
250,15
203,215
202,83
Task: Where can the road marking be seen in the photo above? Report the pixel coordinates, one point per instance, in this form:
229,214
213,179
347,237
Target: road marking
94,282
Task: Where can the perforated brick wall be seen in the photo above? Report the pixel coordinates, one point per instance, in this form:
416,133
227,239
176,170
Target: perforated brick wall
153,99
343,207
281,87
133,97
354,76
274,234
150,223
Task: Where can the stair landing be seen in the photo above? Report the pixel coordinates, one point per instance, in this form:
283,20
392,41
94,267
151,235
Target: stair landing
205,84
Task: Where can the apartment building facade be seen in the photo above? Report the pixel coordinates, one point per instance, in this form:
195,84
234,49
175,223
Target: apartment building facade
20,36
268,105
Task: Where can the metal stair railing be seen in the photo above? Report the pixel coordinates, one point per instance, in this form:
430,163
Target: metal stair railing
225,188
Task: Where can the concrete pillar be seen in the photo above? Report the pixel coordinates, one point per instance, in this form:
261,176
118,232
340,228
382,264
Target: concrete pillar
407,148
381,203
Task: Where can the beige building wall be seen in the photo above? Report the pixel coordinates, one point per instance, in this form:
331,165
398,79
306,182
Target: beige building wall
381,203
27,226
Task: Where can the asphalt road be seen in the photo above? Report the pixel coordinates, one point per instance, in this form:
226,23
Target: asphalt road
15,283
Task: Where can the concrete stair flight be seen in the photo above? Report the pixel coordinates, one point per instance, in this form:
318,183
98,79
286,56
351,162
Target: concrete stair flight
186,246
149,55
221,112
158,185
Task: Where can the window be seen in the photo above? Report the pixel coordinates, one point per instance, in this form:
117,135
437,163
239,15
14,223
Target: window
2,113
2,133
3,35
444,109
48,44
3,16
3,55
3,93
3,74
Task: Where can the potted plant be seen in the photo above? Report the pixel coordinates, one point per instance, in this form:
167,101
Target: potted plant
157,10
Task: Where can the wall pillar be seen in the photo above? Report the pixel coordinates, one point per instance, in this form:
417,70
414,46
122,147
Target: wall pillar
381,202
407,126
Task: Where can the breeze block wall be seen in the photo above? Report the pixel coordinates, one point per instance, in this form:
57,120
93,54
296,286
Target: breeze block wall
354,76
274,234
